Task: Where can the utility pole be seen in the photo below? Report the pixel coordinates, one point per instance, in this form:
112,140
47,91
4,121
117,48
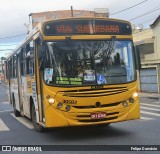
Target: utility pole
71,11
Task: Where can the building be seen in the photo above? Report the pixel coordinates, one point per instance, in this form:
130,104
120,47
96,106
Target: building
36,18
147,42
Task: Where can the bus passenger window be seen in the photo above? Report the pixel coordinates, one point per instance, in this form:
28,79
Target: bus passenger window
29,59
31,66
22,60
14,71
10,67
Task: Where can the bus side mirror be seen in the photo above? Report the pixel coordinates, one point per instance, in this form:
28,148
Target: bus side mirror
137,58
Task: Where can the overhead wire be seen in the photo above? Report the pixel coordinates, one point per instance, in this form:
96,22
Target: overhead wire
128,8
149,20
13,36
8,44
5,49
144,14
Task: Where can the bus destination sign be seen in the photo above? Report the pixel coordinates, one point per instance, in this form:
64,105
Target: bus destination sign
93,27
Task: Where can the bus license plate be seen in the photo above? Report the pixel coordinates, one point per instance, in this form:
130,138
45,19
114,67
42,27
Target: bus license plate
100,115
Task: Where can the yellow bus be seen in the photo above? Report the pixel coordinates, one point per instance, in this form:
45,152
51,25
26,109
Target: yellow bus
75,72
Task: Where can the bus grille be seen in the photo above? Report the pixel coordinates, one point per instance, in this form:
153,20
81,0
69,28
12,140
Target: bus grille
94,92
93,106
97,120
88,116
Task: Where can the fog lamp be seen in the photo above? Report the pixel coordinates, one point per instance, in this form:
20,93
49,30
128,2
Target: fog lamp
131,100
51,100
125,104
135,94
59,105
67,108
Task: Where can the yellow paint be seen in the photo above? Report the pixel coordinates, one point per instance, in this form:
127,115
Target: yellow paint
56,118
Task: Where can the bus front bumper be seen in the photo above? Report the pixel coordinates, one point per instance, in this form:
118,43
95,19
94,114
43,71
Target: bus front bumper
83,117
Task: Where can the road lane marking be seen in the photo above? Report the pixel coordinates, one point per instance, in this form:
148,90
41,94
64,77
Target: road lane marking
142,107
5,103
156,103
3,127
150,105
6,110
150,113
146,118
24,121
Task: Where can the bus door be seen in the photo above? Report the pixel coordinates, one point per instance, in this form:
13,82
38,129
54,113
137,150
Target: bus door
19,81
25,78
39,78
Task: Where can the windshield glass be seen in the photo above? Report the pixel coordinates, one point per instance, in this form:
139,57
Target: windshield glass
75,63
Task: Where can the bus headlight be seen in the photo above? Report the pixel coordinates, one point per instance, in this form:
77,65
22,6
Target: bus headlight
135,94
125,104
67,108
59,105
51,100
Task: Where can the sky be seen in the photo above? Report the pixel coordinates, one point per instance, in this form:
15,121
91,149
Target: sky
14,15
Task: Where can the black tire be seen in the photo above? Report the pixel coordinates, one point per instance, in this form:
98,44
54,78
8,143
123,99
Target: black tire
16,112
103,125
37,127
107,124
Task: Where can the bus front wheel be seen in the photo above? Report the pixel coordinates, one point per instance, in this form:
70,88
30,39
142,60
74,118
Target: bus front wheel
37,127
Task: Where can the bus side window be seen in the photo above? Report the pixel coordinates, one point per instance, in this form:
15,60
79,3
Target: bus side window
14,71
29,58
22,61
6,69
10,68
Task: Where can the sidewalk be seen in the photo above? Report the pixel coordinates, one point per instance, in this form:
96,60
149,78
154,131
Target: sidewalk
150,95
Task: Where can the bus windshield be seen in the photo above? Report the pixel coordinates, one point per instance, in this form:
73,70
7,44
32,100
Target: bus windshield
75,63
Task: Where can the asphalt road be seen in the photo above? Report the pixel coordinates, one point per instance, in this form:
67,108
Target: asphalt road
138,132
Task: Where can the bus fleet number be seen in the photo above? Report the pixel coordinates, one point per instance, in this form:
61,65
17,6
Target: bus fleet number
70,101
